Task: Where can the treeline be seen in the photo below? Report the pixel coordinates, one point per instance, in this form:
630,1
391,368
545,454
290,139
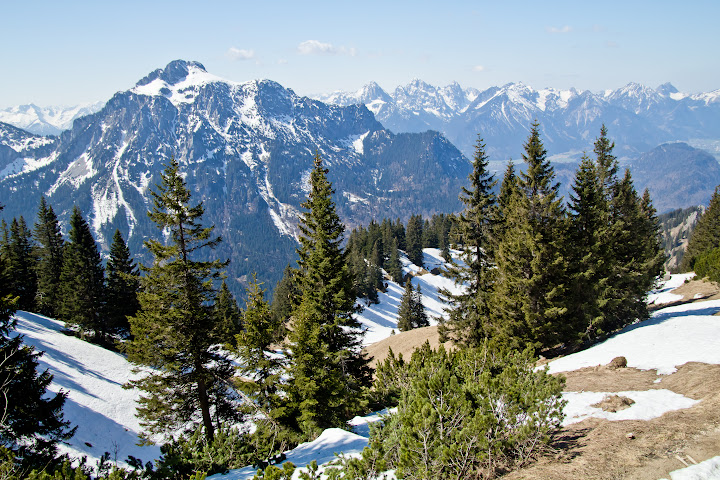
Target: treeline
377,247
703,251
66,279
544,275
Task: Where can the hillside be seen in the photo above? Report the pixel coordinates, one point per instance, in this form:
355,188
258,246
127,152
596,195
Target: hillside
672,375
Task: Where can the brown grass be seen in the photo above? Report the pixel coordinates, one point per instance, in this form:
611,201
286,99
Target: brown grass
631,449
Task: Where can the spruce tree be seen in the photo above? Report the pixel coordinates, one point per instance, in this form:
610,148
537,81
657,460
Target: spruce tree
420,318
529,295
49,251
261,368
285,296
328,370
393,265
706,235
470,311
413,240
176,331
21,264
121,286
228,314
32,422
588,249
406,309
82,280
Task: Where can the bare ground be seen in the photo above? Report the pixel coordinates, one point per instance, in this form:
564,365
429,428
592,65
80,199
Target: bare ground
630,449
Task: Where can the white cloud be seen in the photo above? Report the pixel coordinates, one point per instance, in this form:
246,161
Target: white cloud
310,47
565,29
478,68
240,54
315,47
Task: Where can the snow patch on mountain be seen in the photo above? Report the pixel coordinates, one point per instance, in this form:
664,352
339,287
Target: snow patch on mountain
75,174
181,91
25,165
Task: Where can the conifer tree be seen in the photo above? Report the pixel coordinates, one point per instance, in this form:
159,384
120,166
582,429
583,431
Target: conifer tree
21,264
82,280
31,421
49,251
176,329
261,368
588,249
393,265
529,294
406,310
420,318
470,311
706,235
285,296
121,286
228,314
413,240
328,369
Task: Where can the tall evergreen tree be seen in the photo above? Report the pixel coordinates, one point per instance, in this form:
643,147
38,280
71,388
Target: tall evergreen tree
21,264
393,265
285,296
82,280
176,330
228,314
588,249
530,291
411,313
470,310
50,244
31,421
121,286
328,369
261,368
706,235
413,240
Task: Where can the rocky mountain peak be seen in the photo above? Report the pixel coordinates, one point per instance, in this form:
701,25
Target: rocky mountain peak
175,72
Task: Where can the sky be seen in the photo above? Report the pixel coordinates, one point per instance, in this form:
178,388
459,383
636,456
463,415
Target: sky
67,53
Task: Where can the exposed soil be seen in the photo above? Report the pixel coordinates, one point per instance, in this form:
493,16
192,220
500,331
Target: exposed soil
614,403
630,449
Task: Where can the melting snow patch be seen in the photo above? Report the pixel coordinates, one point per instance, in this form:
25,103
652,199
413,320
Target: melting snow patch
707,470
648,405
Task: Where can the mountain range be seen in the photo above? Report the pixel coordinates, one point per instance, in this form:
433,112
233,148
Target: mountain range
46,120
246,150
638,118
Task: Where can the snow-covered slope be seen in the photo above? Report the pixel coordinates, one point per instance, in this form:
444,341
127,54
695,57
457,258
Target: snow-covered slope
97,403
104,411
46,120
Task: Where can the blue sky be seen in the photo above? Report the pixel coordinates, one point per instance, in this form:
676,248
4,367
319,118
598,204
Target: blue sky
65,53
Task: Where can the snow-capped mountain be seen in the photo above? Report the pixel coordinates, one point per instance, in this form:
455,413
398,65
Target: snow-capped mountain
638,117
247,150
46,120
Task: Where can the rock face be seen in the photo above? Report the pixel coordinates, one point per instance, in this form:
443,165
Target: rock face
246,150
638,118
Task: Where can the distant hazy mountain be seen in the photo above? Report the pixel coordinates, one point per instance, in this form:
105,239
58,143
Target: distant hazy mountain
247,150
638,118
46,120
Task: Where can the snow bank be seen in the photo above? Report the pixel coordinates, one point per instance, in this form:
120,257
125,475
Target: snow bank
672,337
707,470
103,411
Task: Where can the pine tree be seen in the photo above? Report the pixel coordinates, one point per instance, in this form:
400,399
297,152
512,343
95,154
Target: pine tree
32,422
328,369
470,311
50,244
21,264
413,240
706,235
176,330
82,280
529,295
121,286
